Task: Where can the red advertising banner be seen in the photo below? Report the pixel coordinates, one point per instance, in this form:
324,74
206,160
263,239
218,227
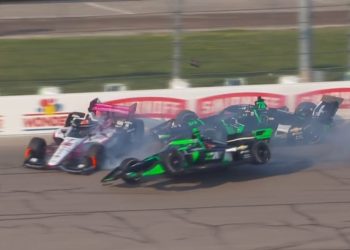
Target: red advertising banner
154,107
43,121
315,96
212,104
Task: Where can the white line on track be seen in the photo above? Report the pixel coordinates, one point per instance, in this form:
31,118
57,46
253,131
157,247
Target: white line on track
103,7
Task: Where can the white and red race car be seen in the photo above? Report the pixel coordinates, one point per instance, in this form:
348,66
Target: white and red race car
81,146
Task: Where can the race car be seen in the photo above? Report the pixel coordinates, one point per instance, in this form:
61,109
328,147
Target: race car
81,147
182,156
237,119
309,123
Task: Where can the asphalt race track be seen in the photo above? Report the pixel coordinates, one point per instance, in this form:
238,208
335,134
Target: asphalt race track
298,201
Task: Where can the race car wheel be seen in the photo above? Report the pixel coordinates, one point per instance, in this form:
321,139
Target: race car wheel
139,132
71,116
261,153
93,160
36,148
305,109
291,139
128,176
313,134
174,161
314,138
185,116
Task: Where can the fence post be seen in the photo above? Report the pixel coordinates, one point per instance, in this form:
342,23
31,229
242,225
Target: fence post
305,41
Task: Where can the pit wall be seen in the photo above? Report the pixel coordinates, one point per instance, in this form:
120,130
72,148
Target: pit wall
43,113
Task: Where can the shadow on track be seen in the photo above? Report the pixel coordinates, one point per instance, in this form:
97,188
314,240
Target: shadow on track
214,178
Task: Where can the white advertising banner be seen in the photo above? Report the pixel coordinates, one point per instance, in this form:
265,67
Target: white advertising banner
43,113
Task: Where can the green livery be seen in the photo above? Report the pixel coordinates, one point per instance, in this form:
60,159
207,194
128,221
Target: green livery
233,120
183,156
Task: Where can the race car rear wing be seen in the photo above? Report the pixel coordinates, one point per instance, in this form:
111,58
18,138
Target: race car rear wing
332,99
325,111
121,110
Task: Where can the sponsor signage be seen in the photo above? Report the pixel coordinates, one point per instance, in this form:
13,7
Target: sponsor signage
43,122
47,117
49,106
212,104
154,107
315,96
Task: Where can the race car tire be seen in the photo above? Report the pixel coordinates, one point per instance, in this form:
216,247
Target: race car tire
173,161
261,153
185,116
305,109
314,134
139,132
93,159
36,148
291,140
71,116
125,168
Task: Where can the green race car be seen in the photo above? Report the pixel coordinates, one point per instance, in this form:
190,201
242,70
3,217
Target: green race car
182,156
309,124
237,119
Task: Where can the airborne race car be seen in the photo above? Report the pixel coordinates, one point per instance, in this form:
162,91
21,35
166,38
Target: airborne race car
236,120
184,156
308,124
82,145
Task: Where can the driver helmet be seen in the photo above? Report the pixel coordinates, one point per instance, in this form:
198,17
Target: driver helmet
306,111
260,103
76,122
94,114
196,134
79,122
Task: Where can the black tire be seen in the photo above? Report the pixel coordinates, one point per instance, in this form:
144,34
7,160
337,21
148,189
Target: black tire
125,168
313,134
305,109
36,148
314,139
173,161
139,132
94,158
291,140
71,116
261,153
185,116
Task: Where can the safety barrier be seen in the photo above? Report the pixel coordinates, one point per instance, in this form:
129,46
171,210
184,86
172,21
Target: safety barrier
42,113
